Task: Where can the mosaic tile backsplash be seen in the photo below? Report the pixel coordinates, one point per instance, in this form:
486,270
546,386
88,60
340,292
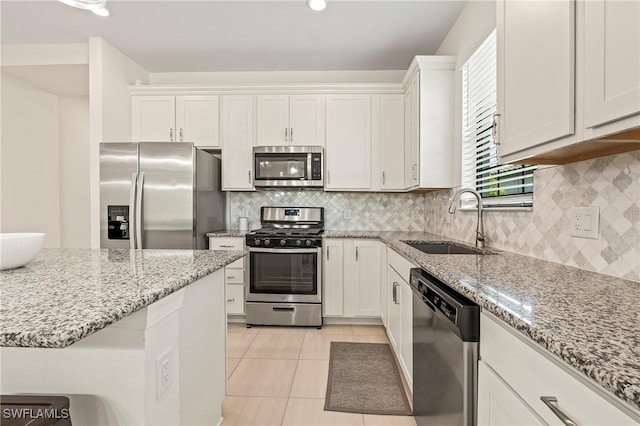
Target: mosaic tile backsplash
610,183
368,211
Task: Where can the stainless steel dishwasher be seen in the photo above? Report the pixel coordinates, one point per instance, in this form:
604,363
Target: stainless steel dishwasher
446,331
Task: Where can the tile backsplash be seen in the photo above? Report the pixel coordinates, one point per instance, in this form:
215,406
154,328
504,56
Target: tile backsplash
610,183
368,211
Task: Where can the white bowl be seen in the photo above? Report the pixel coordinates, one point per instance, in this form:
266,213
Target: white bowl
18,249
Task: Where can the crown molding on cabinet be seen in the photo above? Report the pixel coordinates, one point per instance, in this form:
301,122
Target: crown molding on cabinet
432,62
266,89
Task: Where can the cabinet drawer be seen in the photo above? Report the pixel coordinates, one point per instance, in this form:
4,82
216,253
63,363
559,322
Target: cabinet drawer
401,265
234,276
532,375
238,264
235,299
225,243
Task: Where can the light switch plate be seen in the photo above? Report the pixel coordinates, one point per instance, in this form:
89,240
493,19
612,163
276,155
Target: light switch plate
585,222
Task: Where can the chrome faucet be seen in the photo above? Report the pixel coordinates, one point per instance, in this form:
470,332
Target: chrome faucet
480,236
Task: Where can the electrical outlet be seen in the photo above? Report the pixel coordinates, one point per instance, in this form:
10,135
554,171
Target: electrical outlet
585,221
346,213
164,374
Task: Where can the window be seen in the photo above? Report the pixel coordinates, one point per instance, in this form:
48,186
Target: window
499,185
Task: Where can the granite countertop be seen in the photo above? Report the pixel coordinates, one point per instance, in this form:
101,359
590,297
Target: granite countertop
64,295
591,321
228,233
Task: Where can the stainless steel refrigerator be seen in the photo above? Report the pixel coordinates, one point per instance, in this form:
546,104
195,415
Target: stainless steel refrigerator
159,195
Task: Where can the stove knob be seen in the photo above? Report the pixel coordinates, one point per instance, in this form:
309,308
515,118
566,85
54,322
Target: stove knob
299,242
256,241
267,242
283,242
308,243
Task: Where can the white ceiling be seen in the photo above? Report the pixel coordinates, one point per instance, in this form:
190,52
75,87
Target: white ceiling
178,36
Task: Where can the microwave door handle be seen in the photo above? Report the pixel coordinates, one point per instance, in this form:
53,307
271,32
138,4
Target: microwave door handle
309,161
132,211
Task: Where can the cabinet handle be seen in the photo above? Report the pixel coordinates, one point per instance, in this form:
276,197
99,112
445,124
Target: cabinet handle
415,171
356,254
291,135
171,134
551,401
327,253
383,179
285,133
395,293
249,176
494,129
231,277
181,135
231,300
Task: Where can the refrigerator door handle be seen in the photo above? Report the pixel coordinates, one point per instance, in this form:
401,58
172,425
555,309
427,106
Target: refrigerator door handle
132,211
139,210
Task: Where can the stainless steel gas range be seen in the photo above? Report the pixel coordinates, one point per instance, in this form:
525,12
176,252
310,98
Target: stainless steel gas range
285,267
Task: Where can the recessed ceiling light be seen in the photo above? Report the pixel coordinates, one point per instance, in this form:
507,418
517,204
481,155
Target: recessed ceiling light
317,5
86,4
102,12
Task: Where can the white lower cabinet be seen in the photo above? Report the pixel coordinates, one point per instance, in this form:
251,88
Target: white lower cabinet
351,278
515,375
499,405
234,273
400,322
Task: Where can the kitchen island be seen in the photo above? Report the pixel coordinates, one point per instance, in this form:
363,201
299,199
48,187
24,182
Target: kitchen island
131,336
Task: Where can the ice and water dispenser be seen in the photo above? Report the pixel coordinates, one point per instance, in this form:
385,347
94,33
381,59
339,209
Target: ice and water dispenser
118,227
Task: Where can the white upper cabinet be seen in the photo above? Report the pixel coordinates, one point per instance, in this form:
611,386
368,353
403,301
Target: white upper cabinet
290,120
612,60
153,118
176,119
428,126
536,72
348,143
392,150
237,143
198,120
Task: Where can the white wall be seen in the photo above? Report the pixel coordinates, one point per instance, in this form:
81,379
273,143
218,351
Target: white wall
73,131
473,26
30,196
110,72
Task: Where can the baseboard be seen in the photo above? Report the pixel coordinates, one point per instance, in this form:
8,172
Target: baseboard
236,318
352,321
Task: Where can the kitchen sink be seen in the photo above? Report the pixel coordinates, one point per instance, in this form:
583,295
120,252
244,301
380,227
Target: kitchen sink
445,247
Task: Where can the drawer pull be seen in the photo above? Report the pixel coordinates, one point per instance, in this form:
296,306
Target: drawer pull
231,300
231,277
551,401
284,309
222,246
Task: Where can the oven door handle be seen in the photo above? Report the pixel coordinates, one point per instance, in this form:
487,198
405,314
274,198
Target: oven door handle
285,251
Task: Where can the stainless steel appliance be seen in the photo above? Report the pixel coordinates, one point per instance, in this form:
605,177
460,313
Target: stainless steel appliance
285,267
159,195
446,331
288,166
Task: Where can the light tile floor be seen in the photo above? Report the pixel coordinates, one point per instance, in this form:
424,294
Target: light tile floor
278,376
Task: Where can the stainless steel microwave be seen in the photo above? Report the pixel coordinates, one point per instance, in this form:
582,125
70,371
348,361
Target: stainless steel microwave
288,167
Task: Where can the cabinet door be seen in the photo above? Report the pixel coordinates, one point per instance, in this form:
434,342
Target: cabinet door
411,133
306,120
153,118
406,323
272,120
237,142
499,405
392,141
348,144
235,299
612,60
366,282
332,292
198,120
536,72
394,326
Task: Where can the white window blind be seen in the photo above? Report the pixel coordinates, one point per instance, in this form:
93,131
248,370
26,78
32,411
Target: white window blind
499,185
